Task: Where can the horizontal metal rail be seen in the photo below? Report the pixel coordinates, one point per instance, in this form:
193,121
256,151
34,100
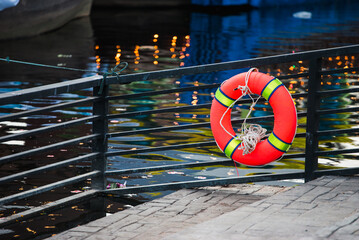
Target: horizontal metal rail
56,126
166,148
207,182
185,89
163,110
48,187
51,206
186,108
341,171
185,126
339,70
190,126
26,113
159,92
163,148
166,167
50,90
31,152
338,110
338,131
158,129
48,167
184,165
282,58
338,91
335,152
293,76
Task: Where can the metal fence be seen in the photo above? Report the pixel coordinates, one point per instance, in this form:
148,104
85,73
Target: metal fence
100,135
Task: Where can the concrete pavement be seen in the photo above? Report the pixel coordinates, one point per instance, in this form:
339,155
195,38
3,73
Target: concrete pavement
326,208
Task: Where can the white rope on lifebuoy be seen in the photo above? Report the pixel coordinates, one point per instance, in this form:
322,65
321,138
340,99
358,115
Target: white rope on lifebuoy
250,134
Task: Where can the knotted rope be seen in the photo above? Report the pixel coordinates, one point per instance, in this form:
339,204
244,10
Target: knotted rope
113,71
250,134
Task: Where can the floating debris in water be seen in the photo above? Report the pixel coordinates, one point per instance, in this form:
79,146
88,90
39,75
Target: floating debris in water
147,48
30,230
200,177
130,195
303,15
14,124
14,142
5,231
147,176
116,185
86,188
48,227
174,172
76,191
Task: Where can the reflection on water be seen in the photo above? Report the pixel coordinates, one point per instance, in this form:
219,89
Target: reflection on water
147,42
68,46
220,37
217,38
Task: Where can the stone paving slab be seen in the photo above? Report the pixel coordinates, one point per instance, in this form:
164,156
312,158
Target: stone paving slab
172,213
326,208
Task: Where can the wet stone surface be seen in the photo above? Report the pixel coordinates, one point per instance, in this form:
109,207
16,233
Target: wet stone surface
326,208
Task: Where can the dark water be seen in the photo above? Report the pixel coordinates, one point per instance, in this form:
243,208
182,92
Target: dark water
153,39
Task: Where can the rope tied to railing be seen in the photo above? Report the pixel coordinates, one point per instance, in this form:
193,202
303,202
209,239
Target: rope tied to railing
113,71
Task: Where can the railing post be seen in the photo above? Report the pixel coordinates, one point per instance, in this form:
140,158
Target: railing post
313,104
99,126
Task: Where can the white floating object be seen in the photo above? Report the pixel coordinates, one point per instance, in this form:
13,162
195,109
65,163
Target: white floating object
16,131
303,15
14,124
14,142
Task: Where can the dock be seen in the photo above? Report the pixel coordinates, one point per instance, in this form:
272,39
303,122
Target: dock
325,208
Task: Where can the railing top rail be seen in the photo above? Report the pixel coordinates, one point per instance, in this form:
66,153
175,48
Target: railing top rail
50,90
245,63
88,82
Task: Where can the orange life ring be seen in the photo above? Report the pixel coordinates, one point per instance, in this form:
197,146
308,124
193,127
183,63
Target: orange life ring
285,118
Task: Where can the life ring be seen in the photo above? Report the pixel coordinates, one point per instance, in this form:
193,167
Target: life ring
285,118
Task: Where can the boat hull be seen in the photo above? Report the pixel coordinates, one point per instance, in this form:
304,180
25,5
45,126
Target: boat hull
141,3
33,17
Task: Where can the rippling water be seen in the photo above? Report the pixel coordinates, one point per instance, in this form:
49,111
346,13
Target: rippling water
220,37
186,38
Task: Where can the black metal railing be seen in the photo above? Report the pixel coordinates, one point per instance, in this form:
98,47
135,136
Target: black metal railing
100,135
